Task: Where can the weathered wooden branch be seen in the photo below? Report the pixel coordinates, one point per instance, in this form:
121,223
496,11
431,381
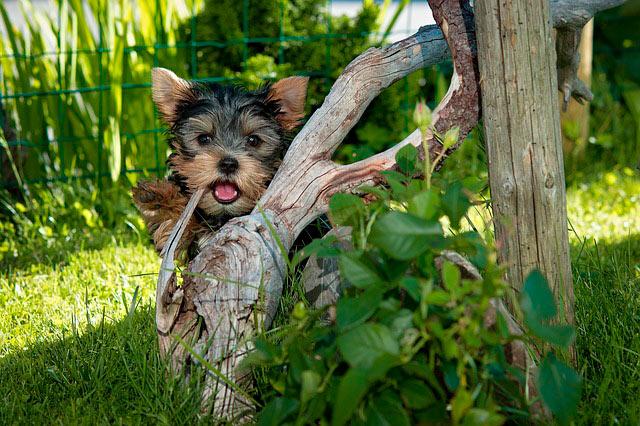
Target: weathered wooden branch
233,286
567,43
517,58
569,24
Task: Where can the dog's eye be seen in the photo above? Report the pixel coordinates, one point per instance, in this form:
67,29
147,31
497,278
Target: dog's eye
204,139
253,141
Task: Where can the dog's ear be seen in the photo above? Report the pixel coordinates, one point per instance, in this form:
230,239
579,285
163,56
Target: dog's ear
168,91
290,93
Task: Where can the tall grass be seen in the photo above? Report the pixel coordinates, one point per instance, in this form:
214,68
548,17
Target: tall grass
75,84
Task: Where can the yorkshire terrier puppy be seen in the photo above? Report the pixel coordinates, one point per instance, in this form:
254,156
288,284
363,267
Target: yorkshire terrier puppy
226,139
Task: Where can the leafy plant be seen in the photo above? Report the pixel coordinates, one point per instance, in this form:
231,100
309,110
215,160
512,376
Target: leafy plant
407,342
301,37
71,86
53,223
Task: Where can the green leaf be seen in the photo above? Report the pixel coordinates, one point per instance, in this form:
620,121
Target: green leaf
425,205
356,271
451,378
438,298
265,351
374,190
351,389
451,137
416,394
397,182
561,335
403,236
346,209
412,287
406,159
276,412
559,387
502,326
451,276
321,247
474,183
460,404
309,385
352,311
363,345
455,204
539,307
537,298
387,410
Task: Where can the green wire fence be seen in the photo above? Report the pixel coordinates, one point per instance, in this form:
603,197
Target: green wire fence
75,93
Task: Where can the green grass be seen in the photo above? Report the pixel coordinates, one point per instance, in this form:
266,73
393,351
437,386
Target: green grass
78,343
605,215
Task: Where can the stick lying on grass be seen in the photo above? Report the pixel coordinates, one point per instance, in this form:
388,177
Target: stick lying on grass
234,285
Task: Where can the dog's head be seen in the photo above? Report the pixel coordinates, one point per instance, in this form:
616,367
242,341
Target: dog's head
225,138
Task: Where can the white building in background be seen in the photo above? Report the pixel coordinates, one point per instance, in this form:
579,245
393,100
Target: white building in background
415,15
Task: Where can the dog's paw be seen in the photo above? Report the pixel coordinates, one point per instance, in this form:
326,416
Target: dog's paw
160,203
156,195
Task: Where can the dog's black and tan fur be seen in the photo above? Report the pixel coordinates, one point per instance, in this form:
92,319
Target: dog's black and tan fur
224,138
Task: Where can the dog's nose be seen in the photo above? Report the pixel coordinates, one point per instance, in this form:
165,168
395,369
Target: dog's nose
228,165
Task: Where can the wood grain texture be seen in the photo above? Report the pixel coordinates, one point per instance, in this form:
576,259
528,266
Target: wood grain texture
524,145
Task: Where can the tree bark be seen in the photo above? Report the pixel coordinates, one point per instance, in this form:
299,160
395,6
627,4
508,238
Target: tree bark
524,144
233,286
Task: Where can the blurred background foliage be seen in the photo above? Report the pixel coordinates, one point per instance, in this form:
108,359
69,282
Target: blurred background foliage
75,88
75,102
614,139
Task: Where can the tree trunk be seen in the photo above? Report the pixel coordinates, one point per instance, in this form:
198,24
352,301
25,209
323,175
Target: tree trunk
517,62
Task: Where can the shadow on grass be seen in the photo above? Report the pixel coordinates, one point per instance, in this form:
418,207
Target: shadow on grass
607,293
111,373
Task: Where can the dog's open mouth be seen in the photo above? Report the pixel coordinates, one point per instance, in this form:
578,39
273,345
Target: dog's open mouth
225,192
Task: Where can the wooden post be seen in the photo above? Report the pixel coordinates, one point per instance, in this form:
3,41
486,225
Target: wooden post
518,83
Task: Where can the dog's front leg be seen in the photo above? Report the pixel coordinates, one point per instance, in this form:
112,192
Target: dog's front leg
161,203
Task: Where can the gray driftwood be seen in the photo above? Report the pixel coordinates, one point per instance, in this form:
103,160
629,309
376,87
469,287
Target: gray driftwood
233,286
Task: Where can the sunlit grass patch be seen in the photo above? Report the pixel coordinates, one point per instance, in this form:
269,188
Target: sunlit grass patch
46,301
606,207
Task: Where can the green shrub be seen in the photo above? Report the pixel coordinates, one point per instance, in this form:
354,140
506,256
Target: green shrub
407,341
314,44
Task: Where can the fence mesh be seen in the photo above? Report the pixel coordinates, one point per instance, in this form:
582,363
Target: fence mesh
82,109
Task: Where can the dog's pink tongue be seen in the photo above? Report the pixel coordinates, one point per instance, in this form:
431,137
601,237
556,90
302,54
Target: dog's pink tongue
225,192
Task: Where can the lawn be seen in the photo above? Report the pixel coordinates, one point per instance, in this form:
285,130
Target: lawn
78,344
